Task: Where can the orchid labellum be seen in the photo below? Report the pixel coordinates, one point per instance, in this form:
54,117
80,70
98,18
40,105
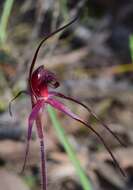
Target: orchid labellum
39,82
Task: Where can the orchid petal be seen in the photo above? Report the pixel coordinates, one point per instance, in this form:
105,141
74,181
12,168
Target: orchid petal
45,39
91,112
32,118
10,103
61,107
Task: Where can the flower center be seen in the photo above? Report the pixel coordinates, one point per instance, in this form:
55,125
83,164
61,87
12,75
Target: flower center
41,79
38,83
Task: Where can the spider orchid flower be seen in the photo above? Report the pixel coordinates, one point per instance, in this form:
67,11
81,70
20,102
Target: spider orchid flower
39,82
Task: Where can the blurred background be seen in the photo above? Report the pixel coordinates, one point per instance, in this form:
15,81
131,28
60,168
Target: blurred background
93,61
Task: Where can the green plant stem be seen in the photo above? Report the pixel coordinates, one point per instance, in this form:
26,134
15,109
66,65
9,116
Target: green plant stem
69,149
64,10
4,19
131,46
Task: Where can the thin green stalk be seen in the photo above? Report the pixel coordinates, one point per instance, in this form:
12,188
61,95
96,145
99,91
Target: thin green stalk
69,149
64,10
131,46
4,19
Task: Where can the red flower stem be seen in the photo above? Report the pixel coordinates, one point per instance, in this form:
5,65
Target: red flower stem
42,151
42,147
43,165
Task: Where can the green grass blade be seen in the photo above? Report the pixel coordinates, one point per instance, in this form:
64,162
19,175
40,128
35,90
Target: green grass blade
64,10
4,19
69,149
131,46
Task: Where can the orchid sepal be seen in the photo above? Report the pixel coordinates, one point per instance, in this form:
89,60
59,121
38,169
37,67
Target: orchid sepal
90,111
61,107
34,114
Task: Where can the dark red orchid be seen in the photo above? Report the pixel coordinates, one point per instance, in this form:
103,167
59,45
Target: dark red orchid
39,81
